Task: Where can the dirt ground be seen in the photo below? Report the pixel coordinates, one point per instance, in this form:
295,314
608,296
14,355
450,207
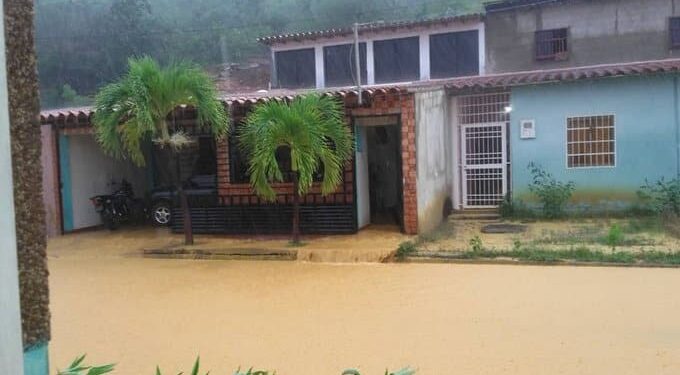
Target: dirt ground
644,234
319,318
371,244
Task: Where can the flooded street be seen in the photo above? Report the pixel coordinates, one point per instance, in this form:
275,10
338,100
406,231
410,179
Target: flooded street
315,318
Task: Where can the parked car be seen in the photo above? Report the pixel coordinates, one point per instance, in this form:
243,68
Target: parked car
199,188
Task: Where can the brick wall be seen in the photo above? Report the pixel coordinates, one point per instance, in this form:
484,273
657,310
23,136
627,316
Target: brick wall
403,104
381,104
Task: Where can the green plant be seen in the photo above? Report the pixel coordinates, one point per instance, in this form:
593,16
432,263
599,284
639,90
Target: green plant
507,207
663,195
136,108
253,372
516,244
312,130
614,236
476,244
552,193
404,371
78,368
405,249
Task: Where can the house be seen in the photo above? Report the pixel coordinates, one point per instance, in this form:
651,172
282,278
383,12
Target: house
451,112
593,88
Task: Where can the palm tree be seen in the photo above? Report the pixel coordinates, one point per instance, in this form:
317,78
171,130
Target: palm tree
311,129
136,108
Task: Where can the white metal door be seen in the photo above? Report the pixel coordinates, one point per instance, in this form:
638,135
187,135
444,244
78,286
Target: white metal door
484,165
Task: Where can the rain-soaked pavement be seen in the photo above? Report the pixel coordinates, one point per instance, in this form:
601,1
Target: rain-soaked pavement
318,318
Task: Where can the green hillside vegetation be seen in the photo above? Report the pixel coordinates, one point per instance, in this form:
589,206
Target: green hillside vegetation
84,44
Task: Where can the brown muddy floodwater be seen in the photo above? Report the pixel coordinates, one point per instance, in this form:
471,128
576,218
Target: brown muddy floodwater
314,318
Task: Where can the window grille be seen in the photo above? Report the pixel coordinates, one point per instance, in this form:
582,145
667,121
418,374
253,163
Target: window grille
552,44
591,141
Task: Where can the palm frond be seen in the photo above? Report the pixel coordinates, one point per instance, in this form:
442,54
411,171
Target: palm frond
312,127
134,109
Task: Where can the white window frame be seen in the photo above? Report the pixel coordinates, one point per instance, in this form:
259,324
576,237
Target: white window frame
369,38
566,142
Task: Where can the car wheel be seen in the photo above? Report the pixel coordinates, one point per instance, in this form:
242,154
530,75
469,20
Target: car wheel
161,213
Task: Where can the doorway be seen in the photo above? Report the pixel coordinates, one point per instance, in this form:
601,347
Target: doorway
378,170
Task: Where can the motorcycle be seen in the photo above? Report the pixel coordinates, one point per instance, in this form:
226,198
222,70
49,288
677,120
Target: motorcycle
119,207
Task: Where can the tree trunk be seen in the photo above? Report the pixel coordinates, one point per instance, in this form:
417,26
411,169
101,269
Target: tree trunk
296,209
188,229
184,206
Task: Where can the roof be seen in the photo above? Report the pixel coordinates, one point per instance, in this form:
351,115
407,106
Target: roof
461,83
565,74
234,100
368,27
502,5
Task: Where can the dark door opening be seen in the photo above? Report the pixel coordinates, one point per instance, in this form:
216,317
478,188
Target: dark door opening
384,174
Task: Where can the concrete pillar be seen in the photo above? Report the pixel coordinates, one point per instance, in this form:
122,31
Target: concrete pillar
11,351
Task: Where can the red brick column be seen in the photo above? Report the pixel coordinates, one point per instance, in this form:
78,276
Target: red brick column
408,163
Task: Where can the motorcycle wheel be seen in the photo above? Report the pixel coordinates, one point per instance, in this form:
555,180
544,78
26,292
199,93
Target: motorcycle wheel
109,221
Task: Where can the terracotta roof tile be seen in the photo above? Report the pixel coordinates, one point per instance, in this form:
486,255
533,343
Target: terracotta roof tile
364,28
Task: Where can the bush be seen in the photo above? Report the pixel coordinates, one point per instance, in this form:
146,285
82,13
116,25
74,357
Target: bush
553,194
405,249
476,244
614,237
663,196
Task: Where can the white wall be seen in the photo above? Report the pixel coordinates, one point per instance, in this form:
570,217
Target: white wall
11,353
91,174
422,32
363,194
433,145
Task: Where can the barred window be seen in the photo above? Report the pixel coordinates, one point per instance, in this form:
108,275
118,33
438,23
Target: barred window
552,44
591,141
674,31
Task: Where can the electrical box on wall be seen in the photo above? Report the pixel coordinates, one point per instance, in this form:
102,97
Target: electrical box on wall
527,129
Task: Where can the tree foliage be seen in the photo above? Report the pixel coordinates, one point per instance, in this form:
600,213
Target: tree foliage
86,43
135,108
311,127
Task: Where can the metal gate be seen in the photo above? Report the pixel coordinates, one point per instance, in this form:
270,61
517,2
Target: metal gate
483,120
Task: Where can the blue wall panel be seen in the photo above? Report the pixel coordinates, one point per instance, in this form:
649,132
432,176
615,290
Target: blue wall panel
646,125
65,181
36,360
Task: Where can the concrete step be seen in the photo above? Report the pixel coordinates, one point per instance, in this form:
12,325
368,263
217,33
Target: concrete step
478,214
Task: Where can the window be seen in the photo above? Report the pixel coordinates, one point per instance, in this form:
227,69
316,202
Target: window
674,31
238,167
454,54
339,65
552,44
295,69
590,141
397,60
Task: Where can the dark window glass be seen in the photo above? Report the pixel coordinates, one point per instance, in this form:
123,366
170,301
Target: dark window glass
674,31
339,64
454,54
552,44
397,60
295,69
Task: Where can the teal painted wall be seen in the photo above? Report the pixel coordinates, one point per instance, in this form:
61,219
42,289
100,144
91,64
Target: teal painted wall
646,126
65,181
36,360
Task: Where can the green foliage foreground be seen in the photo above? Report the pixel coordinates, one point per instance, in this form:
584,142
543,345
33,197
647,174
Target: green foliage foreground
77,367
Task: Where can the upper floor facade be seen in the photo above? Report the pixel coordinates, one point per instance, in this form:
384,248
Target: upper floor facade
396,52
512,36
525,35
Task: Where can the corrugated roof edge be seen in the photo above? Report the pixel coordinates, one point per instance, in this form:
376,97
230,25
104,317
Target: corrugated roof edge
372,27
504,5
461,83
